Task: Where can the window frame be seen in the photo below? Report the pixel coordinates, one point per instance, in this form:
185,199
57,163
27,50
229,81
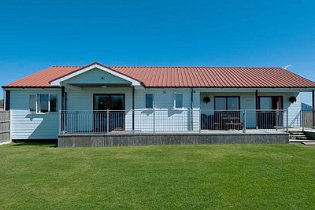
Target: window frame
38,103
226,102
174,105
29,103
145,101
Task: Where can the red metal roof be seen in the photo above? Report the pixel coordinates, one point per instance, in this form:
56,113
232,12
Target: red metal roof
263,77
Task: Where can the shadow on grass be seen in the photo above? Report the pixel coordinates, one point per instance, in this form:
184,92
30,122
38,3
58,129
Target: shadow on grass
40,143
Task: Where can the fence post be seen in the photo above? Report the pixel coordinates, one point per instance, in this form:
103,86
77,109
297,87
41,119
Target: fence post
244,121
191,120
153,120
107,121
60,122
287,123
302,120
277,120
199,120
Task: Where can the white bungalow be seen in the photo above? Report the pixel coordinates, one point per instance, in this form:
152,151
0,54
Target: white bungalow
100,99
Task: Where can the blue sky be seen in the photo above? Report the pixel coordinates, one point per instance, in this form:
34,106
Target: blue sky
38,34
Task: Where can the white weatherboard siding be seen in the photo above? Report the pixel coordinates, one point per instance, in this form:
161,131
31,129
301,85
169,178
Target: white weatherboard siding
82,100
27,125
165,117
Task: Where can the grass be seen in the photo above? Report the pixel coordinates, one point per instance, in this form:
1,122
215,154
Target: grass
157,177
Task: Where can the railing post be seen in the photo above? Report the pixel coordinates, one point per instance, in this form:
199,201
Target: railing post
60,122
277,120
302,120
107,121
287,123
199,120
244,121
153,120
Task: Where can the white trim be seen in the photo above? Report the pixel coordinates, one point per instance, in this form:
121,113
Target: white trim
59,81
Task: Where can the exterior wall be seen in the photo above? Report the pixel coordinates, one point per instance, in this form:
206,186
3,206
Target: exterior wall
294,110
247,101
82,100
27,125
165,117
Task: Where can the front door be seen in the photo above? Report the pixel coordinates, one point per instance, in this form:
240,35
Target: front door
270,113
109,114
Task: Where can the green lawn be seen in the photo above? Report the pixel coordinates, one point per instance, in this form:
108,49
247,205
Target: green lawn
158,177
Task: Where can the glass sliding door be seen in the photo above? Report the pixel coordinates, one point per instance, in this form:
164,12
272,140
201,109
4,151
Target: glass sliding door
270,114
114,119
227,113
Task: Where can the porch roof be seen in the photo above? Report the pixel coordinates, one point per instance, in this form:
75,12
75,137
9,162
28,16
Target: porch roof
168,77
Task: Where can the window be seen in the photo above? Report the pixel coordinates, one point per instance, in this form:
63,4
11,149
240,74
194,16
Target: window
178,101
43,103
220,103
149,101
53,103
270,102
232,103
227,103
32,102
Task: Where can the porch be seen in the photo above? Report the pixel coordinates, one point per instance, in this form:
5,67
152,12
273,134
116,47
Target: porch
180,120
185,126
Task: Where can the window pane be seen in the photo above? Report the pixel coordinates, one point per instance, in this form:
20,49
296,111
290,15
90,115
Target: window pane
53,103
149,101
220,103
178,100
43,105
266,103
233,103
32,103
117,102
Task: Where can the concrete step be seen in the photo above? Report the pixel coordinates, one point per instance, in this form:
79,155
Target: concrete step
305,142
299,137
308,142
299,133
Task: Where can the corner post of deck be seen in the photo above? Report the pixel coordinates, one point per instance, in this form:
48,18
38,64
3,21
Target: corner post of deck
153,120
60,122
133,108
199,120
313,108
107,120
302,119
257,106
287,120
244,121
